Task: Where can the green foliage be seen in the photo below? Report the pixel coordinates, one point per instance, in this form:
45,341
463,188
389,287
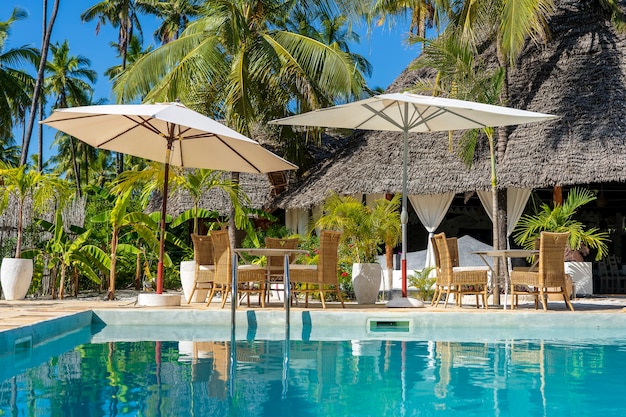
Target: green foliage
561,219
23,183
423,283
363,229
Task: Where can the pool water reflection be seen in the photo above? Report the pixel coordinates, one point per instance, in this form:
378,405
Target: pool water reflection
323,378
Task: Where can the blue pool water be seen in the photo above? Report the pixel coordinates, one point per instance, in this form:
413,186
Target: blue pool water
528,377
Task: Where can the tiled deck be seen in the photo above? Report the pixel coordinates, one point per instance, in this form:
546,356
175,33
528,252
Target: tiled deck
14,314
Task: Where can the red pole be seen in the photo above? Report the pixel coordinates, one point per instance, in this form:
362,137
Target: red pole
159,286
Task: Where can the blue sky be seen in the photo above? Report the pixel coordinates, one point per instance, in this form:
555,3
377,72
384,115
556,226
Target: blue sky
386,50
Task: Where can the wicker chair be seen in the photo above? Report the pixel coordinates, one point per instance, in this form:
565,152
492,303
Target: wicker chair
276,264
314,278
205,265
458,280
550,278
453,249
250,278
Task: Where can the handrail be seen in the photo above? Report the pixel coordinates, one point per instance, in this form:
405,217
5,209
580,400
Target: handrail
287,289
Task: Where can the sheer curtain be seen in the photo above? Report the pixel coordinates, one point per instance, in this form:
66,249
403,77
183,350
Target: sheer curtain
516,199
431,209
297,220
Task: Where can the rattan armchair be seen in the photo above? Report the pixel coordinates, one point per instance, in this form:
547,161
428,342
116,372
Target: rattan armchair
250,278
458,280
550,278
317,278
440,278
205,265
276,264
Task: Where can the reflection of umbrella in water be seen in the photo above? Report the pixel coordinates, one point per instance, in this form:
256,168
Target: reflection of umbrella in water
167,132
411,113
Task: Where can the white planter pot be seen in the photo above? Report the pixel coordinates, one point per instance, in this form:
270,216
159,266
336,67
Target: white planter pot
366,280
581,276
16,274
187,272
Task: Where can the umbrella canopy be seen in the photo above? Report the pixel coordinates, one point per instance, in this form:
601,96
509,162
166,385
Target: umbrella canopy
408,113
145,130
168,132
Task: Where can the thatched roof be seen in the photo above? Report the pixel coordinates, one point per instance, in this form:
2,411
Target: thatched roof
578,75
256,186
372,164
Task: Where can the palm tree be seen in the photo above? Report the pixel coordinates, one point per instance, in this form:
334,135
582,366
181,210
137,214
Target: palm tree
506,25
70,81
238,63
423,13
119,218
121,14
461,77
175,15
16,84
135,51
35,103
332,29
561,218
197,183
22,184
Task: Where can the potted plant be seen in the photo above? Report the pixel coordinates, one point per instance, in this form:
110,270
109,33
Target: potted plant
16,273
364,230
561,218
423,283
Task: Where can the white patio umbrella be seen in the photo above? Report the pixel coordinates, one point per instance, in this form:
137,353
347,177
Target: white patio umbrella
409,113
168,132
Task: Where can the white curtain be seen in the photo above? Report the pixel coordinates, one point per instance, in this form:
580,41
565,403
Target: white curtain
431,209
516,199
297,220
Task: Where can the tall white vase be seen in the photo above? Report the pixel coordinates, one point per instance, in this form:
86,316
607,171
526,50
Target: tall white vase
366,280
16,275
187,274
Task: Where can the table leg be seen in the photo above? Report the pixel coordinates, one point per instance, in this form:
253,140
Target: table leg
506,282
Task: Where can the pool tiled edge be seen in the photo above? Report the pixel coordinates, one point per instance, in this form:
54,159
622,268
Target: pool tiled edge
44,331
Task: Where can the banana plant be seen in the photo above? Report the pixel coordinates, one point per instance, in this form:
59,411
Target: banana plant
120,219
68,251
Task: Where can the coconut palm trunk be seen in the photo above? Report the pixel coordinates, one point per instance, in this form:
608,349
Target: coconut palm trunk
39,82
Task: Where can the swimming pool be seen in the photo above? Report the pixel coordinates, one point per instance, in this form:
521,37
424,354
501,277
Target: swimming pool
106,371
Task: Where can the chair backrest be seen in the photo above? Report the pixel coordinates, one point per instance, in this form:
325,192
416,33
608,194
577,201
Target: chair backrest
277,262
445,265
328,265
202,249
552,258
223,257
453,253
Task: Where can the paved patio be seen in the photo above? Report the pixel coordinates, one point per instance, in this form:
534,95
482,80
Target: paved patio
15,314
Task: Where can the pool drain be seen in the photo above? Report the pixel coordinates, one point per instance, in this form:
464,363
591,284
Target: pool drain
390,326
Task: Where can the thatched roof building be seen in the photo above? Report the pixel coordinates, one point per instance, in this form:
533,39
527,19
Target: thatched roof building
256,186
578,75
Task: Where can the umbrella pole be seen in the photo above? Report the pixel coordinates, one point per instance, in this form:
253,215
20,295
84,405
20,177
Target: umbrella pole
404,216
159,288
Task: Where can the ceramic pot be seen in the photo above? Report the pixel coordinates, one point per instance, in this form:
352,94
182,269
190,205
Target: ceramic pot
187,273
366,280
16,275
